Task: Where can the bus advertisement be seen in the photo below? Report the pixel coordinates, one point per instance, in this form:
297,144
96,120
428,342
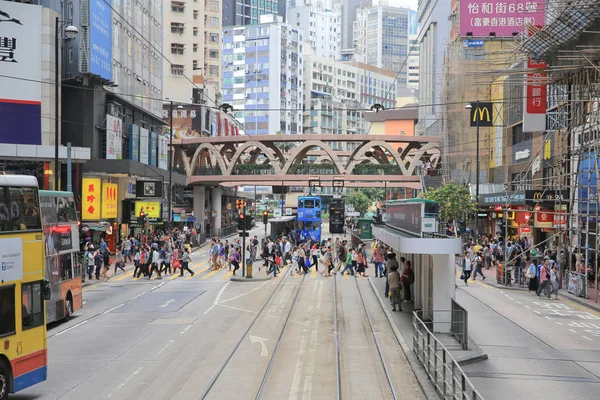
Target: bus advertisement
23,289
64,264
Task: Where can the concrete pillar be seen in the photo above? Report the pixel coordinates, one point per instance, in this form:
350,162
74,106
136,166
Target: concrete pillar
199,200
216,195
443,287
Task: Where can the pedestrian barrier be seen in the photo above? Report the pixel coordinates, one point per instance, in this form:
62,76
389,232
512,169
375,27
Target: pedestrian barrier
227,231
448,378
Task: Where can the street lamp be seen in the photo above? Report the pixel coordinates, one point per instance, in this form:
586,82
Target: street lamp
179,108
71,32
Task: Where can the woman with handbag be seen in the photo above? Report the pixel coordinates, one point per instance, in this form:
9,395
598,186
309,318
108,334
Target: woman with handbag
531,274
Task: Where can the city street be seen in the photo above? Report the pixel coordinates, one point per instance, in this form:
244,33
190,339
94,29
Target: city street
537,348
166,339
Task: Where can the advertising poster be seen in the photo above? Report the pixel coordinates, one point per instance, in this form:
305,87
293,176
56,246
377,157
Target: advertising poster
480,17
153,155
20,73
150,208
114,138
144,145
100,38
163,152
90,199
534,104
187,123
134,142
109,200
11,259
498,130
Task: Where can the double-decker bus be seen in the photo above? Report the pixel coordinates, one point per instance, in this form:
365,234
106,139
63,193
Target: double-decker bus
337,216
23,289
308,218
64,262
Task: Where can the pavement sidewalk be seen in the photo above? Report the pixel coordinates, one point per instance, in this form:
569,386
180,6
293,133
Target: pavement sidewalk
490,275
130,267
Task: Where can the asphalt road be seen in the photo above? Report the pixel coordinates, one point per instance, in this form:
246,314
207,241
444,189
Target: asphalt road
164,339
537,348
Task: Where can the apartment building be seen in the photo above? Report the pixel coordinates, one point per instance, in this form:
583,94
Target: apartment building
192,49
247,12
412,72
321,21
262,75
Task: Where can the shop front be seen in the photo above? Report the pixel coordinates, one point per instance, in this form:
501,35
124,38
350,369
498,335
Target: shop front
497,208
99,210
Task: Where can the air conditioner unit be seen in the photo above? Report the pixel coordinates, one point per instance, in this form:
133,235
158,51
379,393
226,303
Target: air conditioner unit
113,109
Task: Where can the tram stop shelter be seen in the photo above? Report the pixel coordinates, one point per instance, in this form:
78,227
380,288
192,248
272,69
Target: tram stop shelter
432,258
281,225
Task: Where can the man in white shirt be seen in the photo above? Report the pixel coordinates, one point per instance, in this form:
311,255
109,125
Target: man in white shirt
156,261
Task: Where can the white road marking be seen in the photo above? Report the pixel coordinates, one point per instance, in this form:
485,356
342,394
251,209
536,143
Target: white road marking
518,302
244,294
264,350
166,304
310,368
547,317
573,330
510,297
528,307
125,381
185,330
113,309
73,327
141,294
237,308
164,348
537,312
585,337
157,286
559,323
218,298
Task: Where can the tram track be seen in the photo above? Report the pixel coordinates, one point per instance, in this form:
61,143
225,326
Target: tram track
265,379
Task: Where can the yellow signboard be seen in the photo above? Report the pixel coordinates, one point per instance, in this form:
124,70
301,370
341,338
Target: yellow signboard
150,208
90,199
109,200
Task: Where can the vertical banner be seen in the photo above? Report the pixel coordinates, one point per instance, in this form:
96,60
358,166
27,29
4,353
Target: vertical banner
109,200
90,199
534,106
134,142
114,138
163,155
153,155
497,145
144,145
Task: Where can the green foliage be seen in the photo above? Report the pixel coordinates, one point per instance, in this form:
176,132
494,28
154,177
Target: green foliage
375,194
324,168
454,201
360,201
376,169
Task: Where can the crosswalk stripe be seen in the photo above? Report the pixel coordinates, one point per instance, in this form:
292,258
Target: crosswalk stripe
126,275
206,276
227,275
198,271
313,274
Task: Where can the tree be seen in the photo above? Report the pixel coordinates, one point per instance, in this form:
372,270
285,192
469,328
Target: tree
285,146
360,201
454,202
375,194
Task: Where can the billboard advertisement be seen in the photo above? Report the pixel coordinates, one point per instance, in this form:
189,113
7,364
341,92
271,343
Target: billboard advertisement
144,145
134,142
187,123
163,152
101,38
482,17
405,216
150,208
153,154
90,199
534,106
109,200
114,138
20,73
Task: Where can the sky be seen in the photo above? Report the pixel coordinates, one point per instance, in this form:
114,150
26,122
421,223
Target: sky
412,4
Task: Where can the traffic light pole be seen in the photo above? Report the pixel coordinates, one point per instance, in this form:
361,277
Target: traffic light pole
244,249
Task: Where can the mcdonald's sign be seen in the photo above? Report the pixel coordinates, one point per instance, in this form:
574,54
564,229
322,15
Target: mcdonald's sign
482,114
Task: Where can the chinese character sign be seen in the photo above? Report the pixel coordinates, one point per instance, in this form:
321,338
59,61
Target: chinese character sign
187,123
91,193
109,200
150,208
534,104
20,73
480,17
114,138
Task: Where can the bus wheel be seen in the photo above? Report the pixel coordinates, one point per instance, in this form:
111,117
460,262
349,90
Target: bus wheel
68,307
4,380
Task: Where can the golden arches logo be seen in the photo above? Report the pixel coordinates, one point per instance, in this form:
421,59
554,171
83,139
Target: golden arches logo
482,112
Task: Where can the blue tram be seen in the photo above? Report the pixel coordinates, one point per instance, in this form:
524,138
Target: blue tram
308,218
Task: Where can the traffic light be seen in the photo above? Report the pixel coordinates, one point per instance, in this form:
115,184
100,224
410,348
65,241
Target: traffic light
241,222
265,217
142,217
248,223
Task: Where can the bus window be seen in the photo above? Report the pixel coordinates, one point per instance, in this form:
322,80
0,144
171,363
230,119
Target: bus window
33,305
66,270
23,208
309,203
7,310
301,205
317,203
300,225
308,225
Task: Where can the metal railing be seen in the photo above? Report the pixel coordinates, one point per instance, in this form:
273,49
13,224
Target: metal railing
444,372
227,231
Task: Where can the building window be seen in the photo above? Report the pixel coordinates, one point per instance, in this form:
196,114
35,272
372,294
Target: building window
195,64
213,70
213,53
177,69
33,305
214,5
195,31
214,37
7,299
70,56
177,27
195,48
195,14
518,135
177,48
177,6
214,21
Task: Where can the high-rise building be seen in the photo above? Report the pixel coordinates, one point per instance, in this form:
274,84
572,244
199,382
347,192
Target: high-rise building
262,75
434,29
321,21
247,12
348,11
336,91
381,34
412,73
192,49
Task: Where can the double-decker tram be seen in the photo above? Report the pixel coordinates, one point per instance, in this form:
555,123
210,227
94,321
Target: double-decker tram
23,288
64,264
337,215
308,218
